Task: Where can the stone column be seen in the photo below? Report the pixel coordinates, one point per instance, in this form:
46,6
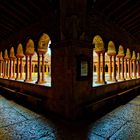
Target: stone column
139,68
8,68
129,68
125,68
14,68
103,70
1,68
122,68
21,68
26,76
134,68
110,70
119,76
17,76
30,68
39,70
114,68
43,80
98,69
10,73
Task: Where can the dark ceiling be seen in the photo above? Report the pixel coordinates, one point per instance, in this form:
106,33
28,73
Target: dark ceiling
124,13
17,14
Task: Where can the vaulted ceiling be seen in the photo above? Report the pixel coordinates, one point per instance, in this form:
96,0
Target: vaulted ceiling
124,13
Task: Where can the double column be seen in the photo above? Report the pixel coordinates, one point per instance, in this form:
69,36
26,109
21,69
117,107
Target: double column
6,68
133,65
28,76
12,68
101,58
1,67
41,78
112,58
120,67
19,68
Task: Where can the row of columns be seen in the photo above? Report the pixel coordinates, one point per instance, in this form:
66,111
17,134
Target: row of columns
7,68
133,68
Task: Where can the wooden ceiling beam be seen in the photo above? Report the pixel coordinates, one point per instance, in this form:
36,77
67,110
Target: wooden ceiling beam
128,11
123,3
18,12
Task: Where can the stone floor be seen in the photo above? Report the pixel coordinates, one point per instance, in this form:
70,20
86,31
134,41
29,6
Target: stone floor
20,123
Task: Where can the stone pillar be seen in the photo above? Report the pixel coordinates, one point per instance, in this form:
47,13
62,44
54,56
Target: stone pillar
129,68
39,70
125,68
98,69
119,76
114,68
1,61
14,68
110,70
10,69
139,68
21,68
43,80
30,68
5,68
122,68
17,76
103,69
26,76
134,68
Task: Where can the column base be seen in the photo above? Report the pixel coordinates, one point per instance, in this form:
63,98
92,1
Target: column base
41,82
5,77
100,82
28,80
113,80
17,79
11,78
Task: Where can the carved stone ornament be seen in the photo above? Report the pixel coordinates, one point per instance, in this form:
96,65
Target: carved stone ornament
43,42
1,58
30,47
133,55
111,48
99,44
138,56
20,50
6,54
121,51
12,53
128,54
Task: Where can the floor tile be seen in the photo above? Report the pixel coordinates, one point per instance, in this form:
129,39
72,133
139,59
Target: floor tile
9,116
